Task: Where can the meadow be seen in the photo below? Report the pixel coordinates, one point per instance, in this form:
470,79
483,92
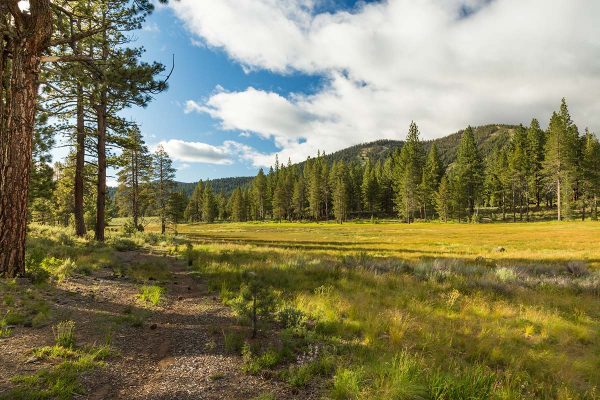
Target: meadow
421,311
363,310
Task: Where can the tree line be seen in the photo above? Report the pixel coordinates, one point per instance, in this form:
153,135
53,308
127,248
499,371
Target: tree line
557,169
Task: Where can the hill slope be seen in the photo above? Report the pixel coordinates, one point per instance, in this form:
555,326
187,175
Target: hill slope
489,137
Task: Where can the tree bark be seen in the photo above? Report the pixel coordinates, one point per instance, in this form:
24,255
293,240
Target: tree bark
80,166
101,148
558,200
33,32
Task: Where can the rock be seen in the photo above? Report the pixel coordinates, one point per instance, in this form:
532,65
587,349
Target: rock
153,326
500,249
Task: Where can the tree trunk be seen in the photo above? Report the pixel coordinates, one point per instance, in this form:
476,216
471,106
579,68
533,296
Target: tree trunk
101,149
558,202
80,166
16,134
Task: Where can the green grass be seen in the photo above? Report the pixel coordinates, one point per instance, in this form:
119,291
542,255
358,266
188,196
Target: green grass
430,310
151,294
62,379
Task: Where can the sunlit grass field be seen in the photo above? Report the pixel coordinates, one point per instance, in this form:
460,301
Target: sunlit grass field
422,311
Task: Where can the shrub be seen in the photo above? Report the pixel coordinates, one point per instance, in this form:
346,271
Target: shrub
506,274
291,317
123,244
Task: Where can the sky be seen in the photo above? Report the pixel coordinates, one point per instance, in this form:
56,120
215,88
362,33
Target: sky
256,78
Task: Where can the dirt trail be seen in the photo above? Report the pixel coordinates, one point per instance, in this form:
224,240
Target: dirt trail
178,353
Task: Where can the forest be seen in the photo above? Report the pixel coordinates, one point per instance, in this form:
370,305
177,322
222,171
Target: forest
523,177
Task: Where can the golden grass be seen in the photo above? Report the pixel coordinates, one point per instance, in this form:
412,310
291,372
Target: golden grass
431,310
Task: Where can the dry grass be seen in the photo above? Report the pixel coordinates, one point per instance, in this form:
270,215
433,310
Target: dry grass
430,310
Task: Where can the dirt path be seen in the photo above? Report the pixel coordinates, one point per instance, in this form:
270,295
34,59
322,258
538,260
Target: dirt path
178,353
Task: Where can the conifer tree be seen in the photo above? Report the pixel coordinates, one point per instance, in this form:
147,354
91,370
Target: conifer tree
339,185
163,178
559,162
238,206
536,138
259,190
315,193
134,177
443,199
409,170
208,205
176,207
369,189
193,211
299,197
590,174
432,174
468,180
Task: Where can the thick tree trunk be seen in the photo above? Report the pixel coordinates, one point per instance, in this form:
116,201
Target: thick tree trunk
101,148
16,133
80,166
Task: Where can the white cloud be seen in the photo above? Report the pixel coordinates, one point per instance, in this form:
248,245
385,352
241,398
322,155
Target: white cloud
391,62
196,152
225,154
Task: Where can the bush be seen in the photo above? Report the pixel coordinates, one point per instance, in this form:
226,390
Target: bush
506,274
291,317
123,244
57,268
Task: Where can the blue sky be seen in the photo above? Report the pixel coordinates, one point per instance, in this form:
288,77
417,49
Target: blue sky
259,78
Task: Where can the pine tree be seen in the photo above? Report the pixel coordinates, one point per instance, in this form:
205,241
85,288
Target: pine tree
560,149
519,164
259,191
409,170
590,174
315,193
163,177
134,177
369,189
238,206
468,180
432,174
536,138
339,185
208,205
193,211
443,199
176,207
299,197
